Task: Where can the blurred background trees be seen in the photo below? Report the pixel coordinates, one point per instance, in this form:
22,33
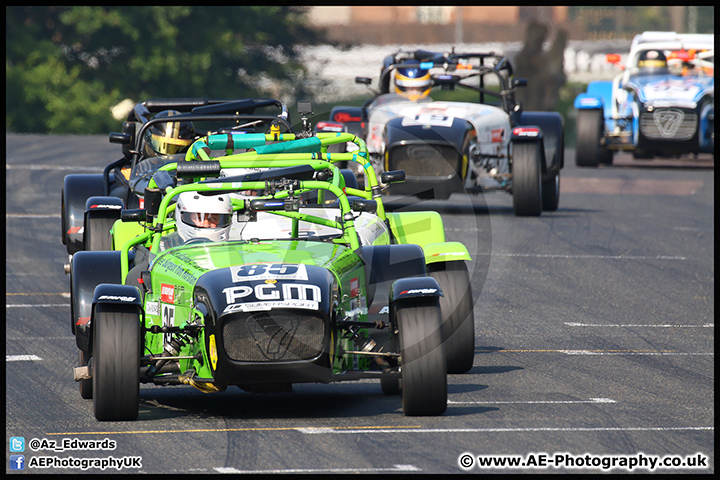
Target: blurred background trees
65,67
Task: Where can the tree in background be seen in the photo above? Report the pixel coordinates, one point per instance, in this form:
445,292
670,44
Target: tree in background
544,70
65,67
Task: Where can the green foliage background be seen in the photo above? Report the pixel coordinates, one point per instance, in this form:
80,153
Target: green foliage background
65,67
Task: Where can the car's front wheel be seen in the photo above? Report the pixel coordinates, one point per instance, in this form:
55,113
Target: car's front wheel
423,384
526,179
97,231
590,125
456,304
116,362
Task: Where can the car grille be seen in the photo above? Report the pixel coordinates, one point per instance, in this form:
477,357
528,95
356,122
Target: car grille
668,124
425,160
273,336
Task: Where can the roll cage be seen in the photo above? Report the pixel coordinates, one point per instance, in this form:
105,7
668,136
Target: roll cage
240,114
308,167
450,70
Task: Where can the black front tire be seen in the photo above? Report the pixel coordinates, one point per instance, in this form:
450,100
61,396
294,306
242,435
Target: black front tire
116,363
526,177
590,126
423,385
456,304
97,231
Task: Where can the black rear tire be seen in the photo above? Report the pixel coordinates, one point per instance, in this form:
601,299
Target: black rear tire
551,193
590,125
390,384
458,324
526,177
424,376
86,386
116,362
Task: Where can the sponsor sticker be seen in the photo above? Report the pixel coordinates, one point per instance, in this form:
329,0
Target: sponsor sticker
496,135
354,287
152,308
418,290
167,293
526,132
269,296
212,349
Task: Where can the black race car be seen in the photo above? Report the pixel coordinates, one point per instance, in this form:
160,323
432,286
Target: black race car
156,132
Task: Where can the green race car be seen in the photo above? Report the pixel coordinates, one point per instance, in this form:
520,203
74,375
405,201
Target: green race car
315,282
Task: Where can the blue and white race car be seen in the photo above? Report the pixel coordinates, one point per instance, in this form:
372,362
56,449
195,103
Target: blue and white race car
661,105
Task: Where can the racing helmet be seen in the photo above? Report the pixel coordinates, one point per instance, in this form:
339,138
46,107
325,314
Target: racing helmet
203,216
652,61
167,138
412,82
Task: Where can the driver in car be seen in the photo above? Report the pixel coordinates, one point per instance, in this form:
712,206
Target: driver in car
201,218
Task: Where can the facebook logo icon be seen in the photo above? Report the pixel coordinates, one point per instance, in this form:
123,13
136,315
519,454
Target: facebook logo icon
17,462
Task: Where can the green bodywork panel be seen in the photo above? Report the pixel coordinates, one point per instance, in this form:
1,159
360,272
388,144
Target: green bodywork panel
124,231
176,271
418,228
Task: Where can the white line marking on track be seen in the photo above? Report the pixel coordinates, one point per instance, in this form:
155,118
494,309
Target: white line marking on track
32,215
604,257
394,468
34,294
529,429
661,325
21,358
27,305
592,400
591,352
15,166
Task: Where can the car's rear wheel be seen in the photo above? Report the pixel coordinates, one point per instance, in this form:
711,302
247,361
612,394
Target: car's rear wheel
526,178
423,385
590,125
390,384
97,231
86,386
116,362
551,193
458,319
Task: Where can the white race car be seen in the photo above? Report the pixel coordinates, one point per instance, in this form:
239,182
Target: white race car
447,146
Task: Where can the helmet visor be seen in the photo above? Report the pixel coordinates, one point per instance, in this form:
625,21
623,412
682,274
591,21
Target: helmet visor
206,220
167,144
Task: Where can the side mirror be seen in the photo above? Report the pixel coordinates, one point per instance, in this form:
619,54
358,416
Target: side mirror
121,138
152,197
394,176
133,215
363,205
363,80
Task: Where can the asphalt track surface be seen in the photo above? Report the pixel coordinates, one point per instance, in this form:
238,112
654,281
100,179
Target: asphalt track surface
594,333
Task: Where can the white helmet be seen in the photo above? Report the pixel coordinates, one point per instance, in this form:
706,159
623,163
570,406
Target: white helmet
201,216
